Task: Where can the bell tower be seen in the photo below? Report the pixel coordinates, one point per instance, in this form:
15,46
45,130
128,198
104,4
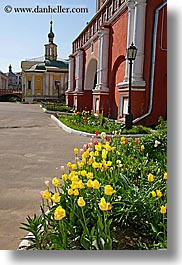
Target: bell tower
51,47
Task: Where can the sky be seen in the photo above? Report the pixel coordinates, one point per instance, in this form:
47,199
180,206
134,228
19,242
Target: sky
23,35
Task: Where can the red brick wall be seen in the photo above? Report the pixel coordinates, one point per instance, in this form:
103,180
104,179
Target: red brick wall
160,81
89,54
118,41
102,2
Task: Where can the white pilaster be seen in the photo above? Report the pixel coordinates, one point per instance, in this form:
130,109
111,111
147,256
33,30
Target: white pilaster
51,84
25,86
131,19
43,86
103,60
46,84
62,82
97,5
138,39
79,71
33,84
71,73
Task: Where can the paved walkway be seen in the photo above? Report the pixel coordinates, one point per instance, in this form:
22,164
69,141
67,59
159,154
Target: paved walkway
32,149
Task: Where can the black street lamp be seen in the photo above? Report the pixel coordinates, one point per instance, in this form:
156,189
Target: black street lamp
130,56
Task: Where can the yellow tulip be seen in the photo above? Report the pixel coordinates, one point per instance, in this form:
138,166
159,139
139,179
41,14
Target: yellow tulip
104,206
56,198
142,147
163,209
159,193
64,177
96,184
83,173
76,151
81,202
90,175
153,193
56,182
69,164
80,184
59,213
150,177
46,195
70,192
89,183
73,166
165,175
76,192
108,190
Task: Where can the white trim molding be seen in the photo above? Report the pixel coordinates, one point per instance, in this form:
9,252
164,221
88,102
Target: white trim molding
71,73
136,34
79,71
139,84
103,61
122,96
139,38
131,17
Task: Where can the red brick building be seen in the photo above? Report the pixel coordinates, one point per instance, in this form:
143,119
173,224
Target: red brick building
3,81
99,71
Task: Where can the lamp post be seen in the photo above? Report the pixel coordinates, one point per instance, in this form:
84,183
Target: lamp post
131,56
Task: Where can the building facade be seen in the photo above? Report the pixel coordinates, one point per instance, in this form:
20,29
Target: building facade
14,80
45,78
3,81
99,71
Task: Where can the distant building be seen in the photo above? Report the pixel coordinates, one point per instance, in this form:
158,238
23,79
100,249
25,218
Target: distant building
99,71
19,80
45,78
3,81
12,82
14,79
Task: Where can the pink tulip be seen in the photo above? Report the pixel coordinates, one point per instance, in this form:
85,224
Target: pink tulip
90,144
81,151
47,183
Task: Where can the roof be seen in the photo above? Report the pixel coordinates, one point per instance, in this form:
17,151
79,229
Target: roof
59,64
55,65
3,73
11,74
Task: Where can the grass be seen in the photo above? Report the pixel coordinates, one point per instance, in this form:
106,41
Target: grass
104,125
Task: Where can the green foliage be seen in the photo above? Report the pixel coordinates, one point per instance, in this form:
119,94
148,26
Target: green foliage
113,197
139,129
90,122
57,107
156,143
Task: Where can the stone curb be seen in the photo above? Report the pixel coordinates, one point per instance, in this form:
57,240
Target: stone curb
68,129
55,112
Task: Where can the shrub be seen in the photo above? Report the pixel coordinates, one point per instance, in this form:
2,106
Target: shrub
156,143
57,107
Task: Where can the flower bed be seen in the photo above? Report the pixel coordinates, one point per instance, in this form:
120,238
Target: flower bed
114,196
88,121
56,107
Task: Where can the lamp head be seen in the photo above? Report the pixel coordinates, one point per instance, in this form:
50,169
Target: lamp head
131,52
